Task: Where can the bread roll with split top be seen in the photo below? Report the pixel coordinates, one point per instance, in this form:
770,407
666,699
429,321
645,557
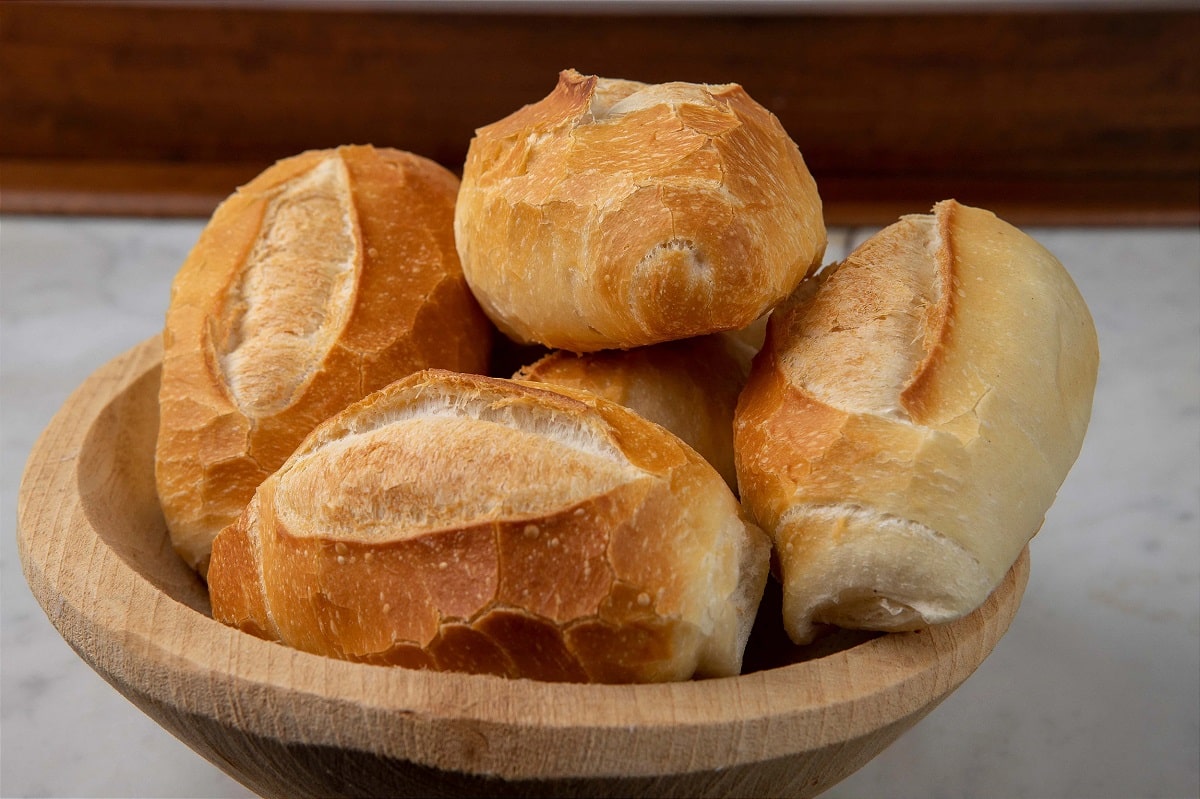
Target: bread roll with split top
614,214
329,275
467,523
690,387
910,419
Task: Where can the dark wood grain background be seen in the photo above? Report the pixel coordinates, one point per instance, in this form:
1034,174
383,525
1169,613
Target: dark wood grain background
1067,116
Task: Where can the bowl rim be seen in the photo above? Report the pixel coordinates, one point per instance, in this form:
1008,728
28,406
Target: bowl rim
135,635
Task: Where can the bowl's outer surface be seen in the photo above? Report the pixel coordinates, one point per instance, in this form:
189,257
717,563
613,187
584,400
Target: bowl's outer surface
286,723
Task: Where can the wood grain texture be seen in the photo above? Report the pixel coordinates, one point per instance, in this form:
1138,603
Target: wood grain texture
285,723
1043,116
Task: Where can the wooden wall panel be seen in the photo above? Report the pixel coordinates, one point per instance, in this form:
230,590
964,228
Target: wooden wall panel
163,108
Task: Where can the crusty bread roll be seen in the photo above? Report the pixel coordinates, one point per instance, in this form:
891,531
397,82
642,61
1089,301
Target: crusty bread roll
910,419
615,214
468,523
689,387
329,275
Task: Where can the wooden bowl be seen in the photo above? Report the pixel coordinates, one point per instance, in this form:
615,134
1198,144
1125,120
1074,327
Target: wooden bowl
285,723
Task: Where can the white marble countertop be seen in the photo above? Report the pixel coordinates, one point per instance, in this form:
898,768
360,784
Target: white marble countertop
1094,692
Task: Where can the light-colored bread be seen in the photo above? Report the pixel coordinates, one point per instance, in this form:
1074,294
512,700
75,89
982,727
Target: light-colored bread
329,275
911,418
467,523
615,214
689,387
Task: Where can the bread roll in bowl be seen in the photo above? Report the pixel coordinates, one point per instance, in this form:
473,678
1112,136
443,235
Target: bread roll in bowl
615,214
467,523
329,275
690,387
910,419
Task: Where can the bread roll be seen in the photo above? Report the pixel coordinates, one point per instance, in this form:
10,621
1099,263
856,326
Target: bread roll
467,523
329,275
910,419
615,214
689,387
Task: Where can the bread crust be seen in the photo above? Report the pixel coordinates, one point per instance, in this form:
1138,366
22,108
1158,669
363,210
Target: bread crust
690,387
899,501
630,563
329,275
614,214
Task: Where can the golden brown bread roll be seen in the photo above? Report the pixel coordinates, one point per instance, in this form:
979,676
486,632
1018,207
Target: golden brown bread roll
329,275
689,387
910,419
615,214
467,523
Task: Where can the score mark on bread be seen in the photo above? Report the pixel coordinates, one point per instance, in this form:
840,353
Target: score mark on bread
520,459
295,291
867,332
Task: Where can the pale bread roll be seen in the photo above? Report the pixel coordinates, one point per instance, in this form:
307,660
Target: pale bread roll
329,275
467,523
690,387
615,214
910,419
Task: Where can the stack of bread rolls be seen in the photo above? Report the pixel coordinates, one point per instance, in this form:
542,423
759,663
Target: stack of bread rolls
339,460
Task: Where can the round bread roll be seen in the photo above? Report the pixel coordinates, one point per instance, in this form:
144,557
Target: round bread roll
328,276
910,419
615,214
690,387
467,523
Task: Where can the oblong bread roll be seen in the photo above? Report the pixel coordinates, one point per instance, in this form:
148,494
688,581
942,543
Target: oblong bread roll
329,275
690,387
911,418
614,214
467,523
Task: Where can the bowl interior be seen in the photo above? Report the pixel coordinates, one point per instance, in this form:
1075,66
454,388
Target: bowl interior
118,495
